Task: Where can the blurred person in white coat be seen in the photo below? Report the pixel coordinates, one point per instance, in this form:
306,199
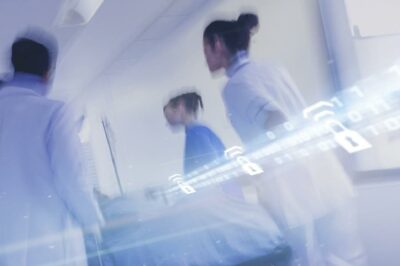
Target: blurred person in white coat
312,203
45,199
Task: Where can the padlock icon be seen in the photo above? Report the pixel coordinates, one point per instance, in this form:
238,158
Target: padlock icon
187,189
348,139
249,167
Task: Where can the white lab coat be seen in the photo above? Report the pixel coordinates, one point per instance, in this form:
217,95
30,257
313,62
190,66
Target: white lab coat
44,197
298,193
303,190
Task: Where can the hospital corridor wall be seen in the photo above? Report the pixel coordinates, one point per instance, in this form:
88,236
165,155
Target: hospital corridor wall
290,35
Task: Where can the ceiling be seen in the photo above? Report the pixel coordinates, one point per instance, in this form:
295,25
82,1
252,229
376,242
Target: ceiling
116,36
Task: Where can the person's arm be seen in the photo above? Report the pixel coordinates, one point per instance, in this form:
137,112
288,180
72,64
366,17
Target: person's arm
261,112
68,164
256,107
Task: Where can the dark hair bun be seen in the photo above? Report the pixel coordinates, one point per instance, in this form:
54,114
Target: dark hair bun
248,20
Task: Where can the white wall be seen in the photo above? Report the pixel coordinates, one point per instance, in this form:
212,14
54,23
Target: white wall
379,221
290,34
354,55
357,58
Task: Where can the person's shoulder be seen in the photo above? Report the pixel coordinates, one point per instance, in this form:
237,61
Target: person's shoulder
56,104
50,102
38,102
263,70
266,66
202,132
201,129
46,103
241,84
249,72
197,128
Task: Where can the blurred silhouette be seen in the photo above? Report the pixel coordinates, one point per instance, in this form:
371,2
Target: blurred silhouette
202,145
45,197
312,206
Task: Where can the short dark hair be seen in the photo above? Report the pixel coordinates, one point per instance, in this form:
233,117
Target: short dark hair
32,57
191,100
236,34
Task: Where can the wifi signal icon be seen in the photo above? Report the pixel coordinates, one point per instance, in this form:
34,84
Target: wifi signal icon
236,153
317,112
233,152
177,179
186,188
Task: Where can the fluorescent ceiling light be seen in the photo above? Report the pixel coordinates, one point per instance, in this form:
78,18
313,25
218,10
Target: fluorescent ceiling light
78,12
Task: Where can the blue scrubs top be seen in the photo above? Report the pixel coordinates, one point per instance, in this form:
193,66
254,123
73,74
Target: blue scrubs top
203,146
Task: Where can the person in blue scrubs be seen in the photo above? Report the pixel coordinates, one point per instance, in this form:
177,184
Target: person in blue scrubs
202,145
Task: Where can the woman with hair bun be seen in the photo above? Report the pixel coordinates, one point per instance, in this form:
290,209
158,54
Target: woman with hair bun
313,206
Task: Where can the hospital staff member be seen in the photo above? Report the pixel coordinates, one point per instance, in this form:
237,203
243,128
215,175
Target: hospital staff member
45,199
311,202
202,145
